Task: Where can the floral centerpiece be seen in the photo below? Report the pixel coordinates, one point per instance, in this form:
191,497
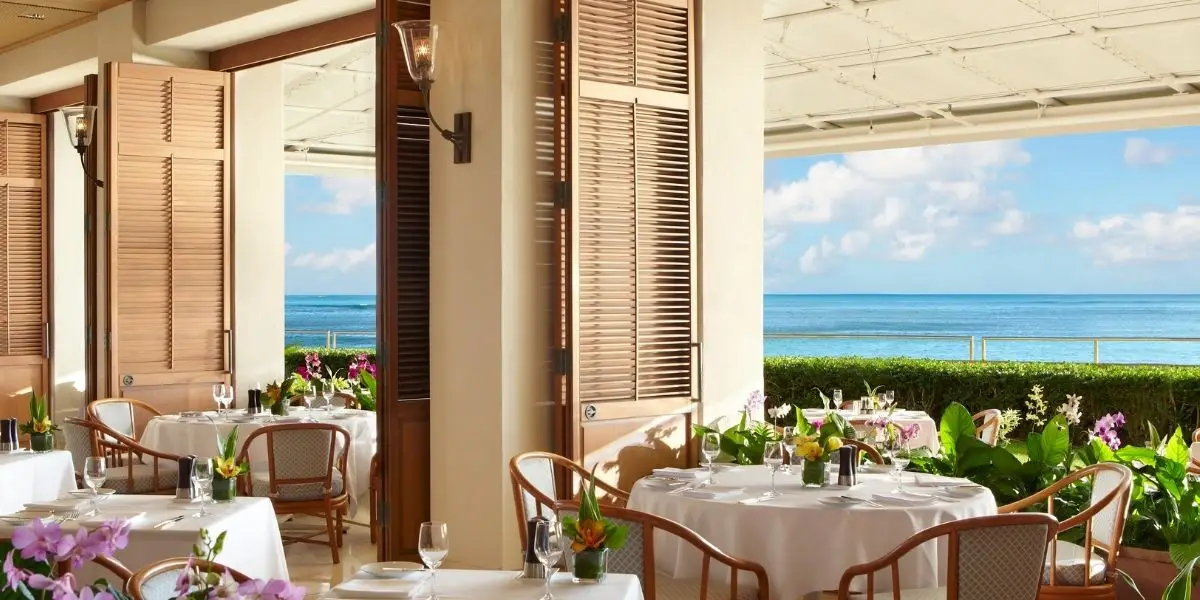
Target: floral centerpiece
39,427
744,442
815,443
592,536
278,394
360,374
226,468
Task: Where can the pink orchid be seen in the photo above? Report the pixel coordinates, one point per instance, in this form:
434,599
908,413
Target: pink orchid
13,575
37,541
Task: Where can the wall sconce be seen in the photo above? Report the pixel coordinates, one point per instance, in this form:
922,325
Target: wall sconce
81,126
419,39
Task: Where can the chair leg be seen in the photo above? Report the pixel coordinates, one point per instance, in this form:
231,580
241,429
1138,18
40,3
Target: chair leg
341,529
329,530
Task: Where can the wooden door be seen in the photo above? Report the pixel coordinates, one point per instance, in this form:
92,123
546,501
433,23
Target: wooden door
627,366
24,263
169,246
402,151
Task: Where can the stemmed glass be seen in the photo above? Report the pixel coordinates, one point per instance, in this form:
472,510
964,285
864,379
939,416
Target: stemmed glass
202,478
228,396
310,395
327,392
549,545
773,459
889,399
95,473
218,393
837,399
896,448
710,448
433,545
789,443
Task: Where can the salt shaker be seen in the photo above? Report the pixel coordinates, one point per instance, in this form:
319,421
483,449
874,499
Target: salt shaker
533,567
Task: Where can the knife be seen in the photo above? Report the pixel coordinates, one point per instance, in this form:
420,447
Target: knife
168,522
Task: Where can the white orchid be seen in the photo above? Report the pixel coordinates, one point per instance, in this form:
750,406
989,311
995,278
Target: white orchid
779,412
1070,409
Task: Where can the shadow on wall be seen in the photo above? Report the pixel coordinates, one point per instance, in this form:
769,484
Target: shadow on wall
631,457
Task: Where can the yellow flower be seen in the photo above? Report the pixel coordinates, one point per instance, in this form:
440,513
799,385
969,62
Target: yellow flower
833,443
800,439
42,426
228,467
810,451
591,535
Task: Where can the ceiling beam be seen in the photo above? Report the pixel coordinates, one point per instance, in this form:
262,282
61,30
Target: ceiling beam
56,100
285,45
322,112
343,60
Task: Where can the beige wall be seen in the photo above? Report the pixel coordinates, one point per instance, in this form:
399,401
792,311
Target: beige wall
258,257
489,304
68,378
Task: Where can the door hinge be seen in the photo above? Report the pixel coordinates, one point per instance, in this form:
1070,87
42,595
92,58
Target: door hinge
562,28
562,195
562,361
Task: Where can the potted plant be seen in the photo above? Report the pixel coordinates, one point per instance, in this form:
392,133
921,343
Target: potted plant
39,427
815,443
360,374
227,470
744,442
592,536
275,397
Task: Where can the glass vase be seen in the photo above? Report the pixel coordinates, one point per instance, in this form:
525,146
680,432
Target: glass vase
280,407
814,474
224,489
591,566
41,442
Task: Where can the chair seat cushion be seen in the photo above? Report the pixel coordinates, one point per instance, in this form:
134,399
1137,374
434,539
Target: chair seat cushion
913,594
666,588
1070,567
144,480
299,492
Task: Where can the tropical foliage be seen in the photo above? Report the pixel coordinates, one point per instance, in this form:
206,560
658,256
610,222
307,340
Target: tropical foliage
39,417
591,531
226,460
818,439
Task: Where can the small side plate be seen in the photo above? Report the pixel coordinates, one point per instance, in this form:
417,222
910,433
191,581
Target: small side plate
394,570
842,501
101,493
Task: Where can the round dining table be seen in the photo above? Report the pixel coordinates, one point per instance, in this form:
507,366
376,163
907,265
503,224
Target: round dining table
807,537
183,435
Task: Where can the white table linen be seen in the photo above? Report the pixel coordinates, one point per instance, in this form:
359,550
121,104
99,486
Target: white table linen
34,477
253,545
174,435
803,544
927,433
504,585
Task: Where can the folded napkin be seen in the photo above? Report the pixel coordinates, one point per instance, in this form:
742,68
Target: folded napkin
57,505
380,588
902,499
682,474
927,480
713,493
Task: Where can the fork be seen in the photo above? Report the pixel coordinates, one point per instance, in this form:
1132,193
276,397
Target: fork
685,488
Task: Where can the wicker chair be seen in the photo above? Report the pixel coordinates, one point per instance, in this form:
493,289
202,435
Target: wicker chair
132,467
989,558
119,414
1194,458
1074,571
637,558
157,580
987,426
374,492
305,474
866,450
535,485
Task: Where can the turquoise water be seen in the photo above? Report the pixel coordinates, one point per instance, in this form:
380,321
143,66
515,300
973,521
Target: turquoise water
952,315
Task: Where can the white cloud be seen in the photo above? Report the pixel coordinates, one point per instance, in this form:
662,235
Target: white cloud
347,195
815,257
1149,236
1142,152
287,249
342,259
890,214
854,242
911,246
1013,222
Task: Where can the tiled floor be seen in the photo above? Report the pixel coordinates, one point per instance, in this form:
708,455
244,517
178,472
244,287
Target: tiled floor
312,566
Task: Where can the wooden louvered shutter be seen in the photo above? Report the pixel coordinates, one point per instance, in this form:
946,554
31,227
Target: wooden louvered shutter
169,245
627,251
24,261
402,145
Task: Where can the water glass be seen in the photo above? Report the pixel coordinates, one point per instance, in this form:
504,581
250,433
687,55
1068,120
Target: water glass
202,478
310,395
898,452
433,544
327,392
228,396
837,399
549,545
95,472
889,398
710,448
789,443
773,459
218,394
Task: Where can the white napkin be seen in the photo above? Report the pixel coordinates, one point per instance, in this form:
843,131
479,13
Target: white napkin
928,480
57,505
681,474
380,588
902,499
713,493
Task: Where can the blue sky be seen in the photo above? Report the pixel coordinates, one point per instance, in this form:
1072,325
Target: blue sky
1101,213
329,225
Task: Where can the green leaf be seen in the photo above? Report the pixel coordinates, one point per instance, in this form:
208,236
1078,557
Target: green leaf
1101,452
1182,554
615,536
1056,441
1180,588
1035,448
1155,440
1129,455
219,545
956,422
1176,449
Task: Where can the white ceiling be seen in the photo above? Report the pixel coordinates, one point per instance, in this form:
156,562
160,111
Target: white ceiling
836,70
329,103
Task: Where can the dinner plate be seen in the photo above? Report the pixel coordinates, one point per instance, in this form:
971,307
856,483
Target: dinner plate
395,570
842,501
101,493
963,491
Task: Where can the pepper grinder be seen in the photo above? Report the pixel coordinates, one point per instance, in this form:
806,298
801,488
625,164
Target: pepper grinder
533,567
847,466
184,490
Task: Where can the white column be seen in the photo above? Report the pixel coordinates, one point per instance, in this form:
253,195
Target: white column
258,247
489,264
731,221
68,378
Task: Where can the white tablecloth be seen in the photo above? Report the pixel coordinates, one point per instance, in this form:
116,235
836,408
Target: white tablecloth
34,477
252,546
803,544
182,437
927,435
504,585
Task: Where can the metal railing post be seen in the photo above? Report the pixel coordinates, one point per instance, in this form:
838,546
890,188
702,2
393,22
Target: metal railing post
333,339
971,350
983,349
328,338
1096,351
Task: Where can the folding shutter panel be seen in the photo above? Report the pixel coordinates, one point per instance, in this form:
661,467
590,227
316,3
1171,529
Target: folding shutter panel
168,233
627,228
403,338
24,261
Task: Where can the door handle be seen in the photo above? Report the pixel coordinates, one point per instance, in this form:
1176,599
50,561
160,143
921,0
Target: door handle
46,339
227,351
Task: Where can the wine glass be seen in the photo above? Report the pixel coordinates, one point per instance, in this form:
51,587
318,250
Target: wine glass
433,545
710,448
95,473
228,396
549,545
218,393
837,399
310,395
202,478
773,459
327,392
789,444
897,450
889,398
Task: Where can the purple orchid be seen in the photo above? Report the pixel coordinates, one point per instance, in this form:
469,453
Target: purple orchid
275,589
1106,429
817,423
13,575
302,371
37,541
78,548
909,432
62,588
755,401
88,593
184,582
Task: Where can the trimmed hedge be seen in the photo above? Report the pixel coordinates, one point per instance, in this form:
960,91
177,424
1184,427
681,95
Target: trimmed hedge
1163,395
336,358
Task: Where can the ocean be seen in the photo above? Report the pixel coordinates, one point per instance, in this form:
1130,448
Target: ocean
1126,316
